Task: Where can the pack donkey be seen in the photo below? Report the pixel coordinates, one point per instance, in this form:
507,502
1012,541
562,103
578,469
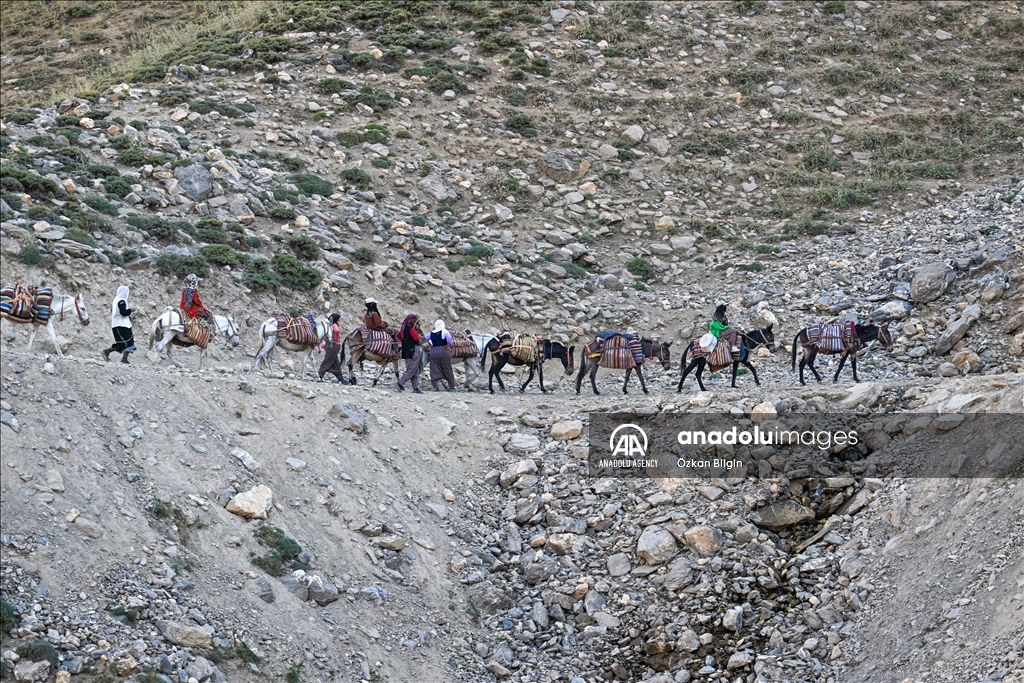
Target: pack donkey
59,305
500,350
594,354
748,342
832,338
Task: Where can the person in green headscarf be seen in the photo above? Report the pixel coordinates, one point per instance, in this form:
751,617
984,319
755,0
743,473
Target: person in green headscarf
721,328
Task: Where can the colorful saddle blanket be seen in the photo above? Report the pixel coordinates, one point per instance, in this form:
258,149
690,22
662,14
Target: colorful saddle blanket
721,356
26,304
463,346
300,331
617,353
197,332
379,342
524,347
831,337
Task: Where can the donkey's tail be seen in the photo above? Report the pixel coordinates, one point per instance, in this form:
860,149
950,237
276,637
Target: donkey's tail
686,352
795,340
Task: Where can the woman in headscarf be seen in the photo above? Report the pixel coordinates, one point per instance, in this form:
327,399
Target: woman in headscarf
410,338
441,356
121,323
331,364
372,319
721,328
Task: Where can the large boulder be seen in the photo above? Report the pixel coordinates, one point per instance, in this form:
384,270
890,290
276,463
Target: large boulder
564,165
566,430
195,181
656,545
435,186
778,516
321,591
351,419
931,281
185,635
252,504
705,540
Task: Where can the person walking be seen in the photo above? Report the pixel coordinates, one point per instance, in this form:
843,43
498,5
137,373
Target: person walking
411,339
441,356
331,364
121,324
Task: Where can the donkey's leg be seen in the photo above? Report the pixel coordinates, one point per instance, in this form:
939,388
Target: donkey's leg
625,383
529,378
735,368
853,364
682,376
540,376
493,372
31,336
752,372
810,363
842,362
640,374
593,377
583,371
698,373
262,355
53,336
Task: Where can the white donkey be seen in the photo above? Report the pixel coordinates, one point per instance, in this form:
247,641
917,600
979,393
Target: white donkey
471,363
170,327
268,335
61,305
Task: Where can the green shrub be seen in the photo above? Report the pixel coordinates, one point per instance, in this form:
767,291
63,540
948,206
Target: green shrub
481,251
294,273
572,270
14,201
447,81
246,655
818,156
260,276
219,254
123,142
305,247
175,264
282,213
283,552
293,674
32,184
100,204
8,617
453,264
211,234
254,241
22,118
418,220
29,255
330,86
364,256
101,171
522,124
80,236
357,176
133,156
640,268
38,651
309,184
118,186
380,162
403,134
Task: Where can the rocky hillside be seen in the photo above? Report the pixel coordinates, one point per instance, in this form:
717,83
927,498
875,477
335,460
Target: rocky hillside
557,167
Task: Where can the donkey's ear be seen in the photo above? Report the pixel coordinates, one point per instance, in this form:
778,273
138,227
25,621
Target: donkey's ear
769,328
666,344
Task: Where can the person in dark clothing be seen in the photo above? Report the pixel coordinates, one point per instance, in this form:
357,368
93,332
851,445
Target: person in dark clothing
331,364
441,356
372,320
121,324
411,338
